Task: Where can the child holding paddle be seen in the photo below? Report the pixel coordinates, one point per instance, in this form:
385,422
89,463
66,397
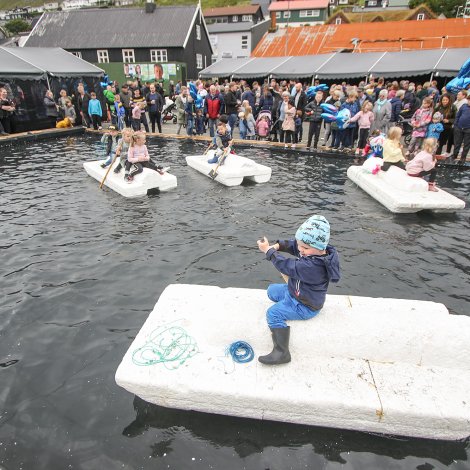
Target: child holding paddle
223,140
316,263
110,140
122,148
138,158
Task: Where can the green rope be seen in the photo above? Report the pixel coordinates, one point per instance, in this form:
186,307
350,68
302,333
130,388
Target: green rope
170,346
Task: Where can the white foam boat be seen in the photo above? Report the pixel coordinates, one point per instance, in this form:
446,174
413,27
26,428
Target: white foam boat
379,365
401,193
234,170
147,182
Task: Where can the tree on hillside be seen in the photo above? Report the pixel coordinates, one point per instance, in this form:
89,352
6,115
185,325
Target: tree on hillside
17,26
447,7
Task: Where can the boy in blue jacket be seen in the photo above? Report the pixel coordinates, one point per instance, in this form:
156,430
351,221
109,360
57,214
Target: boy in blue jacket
95,111
315,265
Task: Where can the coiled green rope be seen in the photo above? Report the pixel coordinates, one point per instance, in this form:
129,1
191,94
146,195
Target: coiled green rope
170,346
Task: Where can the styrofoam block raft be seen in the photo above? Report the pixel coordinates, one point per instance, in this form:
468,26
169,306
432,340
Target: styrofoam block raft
233,171
380,365
401,193
145,182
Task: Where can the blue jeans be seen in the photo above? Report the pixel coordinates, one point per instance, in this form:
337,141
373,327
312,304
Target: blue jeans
212,124
189,126
232,119
286,307
242,129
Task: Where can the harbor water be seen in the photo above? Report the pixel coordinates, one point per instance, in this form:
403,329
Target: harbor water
82,268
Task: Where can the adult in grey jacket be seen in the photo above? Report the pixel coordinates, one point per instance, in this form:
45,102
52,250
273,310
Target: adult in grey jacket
382,113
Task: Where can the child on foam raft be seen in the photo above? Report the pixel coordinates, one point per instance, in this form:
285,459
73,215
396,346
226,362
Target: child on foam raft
223,140
424,163
138,158
123,148
110,141
315,265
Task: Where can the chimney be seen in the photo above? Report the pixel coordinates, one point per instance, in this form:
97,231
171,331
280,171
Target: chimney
273,26
149,6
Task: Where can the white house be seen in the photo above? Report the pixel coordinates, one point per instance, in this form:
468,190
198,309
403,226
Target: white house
51,6
77,4
235,31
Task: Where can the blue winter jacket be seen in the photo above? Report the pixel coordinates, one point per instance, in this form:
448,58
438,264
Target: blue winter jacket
397,106
462,121
309,276
94,107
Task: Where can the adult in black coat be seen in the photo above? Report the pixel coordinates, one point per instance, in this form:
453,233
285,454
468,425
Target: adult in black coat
300,98
231,105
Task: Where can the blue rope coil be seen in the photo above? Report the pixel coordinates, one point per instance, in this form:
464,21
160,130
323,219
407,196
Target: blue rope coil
241,352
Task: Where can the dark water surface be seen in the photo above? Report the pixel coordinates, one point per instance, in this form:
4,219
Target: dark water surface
82,268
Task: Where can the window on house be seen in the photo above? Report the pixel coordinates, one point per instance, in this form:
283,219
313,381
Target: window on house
235,18
286,14
244,42
247,18
338,21
278,14
222,19
158,55
128,55
103,56
309,13
77,54
198,32
343,2
420,16
332,2
372,3
199,61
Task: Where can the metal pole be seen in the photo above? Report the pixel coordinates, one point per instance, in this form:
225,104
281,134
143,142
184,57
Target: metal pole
287,27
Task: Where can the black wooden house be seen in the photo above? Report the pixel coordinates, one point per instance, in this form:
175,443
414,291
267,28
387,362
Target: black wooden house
161,42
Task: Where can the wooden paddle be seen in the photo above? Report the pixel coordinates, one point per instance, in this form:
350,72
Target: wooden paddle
208,148
213,173
109,169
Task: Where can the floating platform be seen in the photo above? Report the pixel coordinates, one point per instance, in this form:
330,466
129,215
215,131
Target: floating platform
388,366
146,183
234,170
401,193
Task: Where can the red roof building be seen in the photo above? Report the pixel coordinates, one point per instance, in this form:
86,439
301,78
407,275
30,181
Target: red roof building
365,37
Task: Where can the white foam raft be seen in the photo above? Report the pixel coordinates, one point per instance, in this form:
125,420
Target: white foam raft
401,193
380,365
234,170
147,182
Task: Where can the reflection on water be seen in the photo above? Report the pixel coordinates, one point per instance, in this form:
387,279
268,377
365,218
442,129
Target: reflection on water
82,268
253,436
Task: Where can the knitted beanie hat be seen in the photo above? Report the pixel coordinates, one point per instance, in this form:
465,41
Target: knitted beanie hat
315,232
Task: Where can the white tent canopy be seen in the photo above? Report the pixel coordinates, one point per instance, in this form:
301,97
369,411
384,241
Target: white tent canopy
442,62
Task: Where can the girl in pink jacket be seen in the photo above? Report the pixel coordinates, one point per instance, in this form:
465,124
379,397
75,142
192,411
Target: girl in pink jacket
420,121
138,158
424,163
365,118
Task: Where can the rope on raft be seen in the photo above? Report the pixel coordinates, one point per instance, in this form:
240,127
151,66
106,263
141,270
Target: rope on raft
241,352
171,346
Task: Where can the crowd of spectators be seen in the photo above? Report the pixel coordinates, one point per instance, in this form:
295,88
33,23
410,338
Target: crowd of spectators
274,110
